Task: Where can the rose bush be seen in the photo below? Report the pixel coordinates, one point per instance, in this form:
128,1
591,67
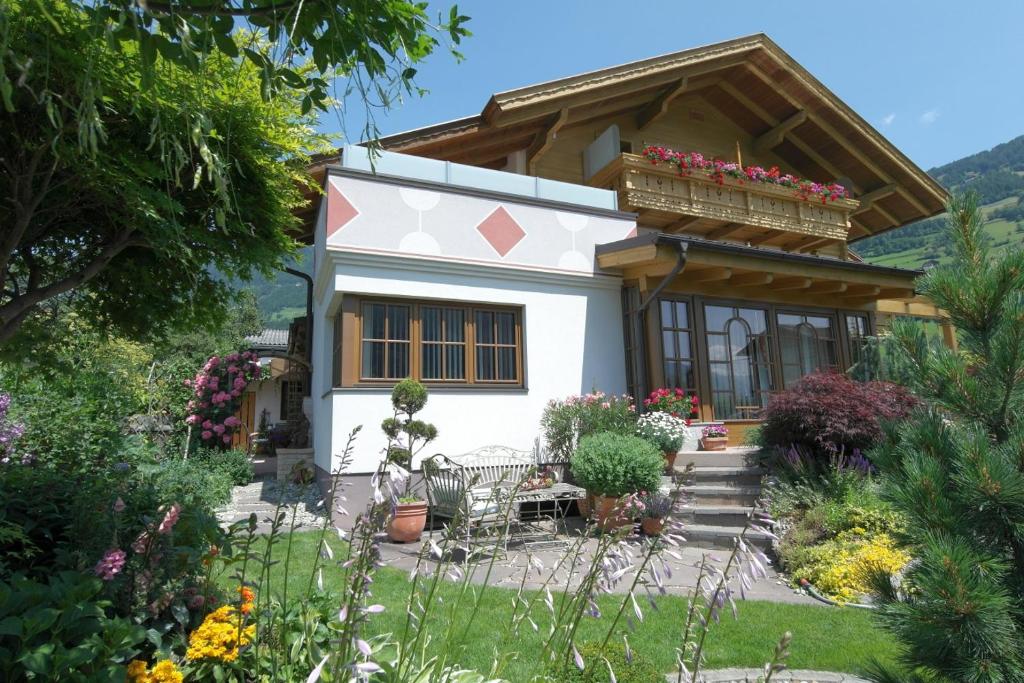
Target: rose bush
217,393
565,422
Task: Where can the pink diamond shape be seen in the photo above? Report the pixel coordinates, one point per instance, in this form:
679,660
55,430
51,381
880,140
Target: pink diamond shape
339,210
501,231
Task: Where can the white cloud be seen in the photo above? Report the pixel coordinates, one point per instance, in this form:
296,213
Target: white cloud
929,117
888,119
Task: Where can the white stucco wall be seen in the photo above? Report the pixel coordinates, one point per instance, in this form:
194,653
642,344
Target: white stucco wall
572,316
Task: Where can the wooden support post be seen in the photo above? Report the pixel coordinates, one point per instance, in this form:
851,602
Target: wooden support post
544,140
656,109
774,137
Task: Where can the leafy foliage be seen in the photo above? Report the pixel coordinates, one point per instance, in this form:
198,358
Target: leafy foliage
954,470
597,661
828,413
566,422
613,464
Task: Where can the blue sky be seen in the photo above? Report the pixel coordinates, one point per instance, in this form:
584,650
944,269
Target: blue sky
940,78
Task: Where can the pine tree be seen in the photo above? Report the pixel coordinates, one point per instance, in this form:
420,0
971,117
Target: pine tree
956,470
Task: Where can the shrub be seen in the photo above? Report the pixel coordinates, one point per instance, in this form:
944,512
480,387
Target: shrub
191,483
566,422
596,660
843,567
234,464
829,413
217,393
613,464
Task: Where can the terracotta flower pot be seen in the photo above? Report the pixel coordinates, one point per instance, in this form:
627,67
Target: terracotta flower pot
584,505
652,526
670,459
714,443
609,513
407,524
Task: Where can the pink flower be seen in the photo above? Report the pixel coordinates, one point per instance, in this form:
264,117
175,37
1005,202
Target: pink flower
170,519
226,438
219,429
232,421
207,425
196,602
141,544
119,505
192,419
207,435
111,564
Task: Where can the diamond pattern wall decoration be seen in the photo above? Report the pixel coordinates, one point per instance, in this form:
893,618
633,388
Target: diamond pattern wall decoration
501,231
340,211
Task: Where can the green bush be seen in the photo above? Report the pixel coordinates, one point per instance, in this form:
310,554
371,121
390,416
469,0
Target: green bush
613,464
235,464
596,661
191,483
566,422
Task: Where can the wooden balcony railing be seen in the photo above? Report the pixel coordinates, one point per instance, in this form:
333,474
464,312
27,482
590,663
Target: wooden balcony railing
665,199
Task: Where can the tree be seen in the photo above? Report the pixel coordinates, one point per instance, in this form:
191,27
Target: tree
956,470
142,143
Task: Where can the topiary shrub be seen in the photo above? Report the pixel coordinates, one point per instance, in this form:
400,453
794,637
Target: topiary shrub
827,413
596,661
613,464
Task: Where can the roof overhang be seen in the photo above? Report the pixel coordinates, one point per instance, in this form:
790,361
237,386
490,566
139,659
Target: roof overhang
757,272
749,79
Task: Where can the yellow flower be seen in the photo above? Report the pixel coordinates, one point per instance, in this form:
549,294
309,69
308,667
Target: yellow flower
220,636
165,671
136,672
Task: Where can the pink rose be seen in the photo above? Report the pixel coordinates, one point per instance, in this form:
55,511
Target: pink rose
227,438
207,435
219,429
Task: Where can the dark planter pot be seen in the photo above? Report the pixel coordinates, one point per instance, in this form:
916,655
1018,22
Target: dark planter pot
408,522
652,526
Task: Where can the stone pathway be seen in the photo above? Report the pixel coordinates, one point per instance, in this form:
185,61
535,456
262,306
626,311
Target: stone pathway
262,497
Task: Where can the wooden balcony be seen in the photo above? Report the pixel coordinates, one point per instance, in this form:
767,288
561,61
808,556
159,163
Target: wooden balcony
755,213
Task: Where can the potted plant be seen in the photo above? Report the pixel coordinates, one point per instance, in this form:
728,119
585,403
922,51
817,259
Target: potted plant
654,507
714,438
611,466
406,437
664,431
675,402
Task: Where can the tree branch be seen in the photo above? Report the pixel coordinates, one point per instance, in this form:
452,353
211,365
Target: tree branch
13,313
216,11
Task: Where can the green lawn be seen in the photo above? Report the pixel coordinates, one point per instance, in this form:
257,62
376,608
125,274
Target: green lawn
824,638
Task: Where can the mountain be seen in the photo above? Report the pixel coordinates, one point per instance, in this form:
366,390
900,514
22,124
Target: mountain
283,297
997,175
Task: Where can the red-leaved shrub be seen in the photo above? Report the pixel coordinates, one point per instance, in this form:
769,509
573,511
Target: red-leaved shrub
829,412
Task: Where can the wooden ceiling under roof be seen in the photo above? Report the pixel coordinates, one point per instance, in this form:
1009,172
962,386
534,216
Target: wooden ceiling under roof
750,80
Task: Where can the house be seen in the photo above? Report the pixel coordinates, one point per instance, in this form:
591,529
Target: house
534,251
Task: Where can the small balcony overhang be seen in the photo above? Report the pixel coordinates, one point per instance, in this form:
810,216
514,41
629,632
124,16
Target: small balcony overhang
726,208
742,272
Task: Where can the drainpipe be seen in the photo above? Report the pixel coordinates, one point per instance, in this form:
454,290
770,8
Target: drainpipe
309,312
640,314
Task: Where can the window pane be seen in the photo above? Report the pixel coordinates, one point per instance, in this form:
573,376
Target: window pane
717,317
668,345
398,361
432,361
506,328
484,362
716,347
720,377
398,322
485,327
755,319
373,359
682,318
373,321
455,357
455,324
506,363
667,317
431,323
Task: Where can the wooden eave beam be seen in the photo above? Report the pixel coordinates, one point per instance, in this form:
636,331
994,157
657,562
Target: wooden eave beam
766,237
860,291
818,241
680,224
868,199
827,288
800,243
853,150
774,137
759,111
544,140
709,275
658,108
724,231
751,280
790,284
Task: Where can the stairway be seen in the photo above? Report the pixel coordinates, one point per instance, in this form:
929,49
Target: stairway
720,493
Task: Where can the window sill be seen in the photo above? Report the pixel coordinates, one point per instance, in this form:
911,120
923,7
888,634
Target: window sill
434,389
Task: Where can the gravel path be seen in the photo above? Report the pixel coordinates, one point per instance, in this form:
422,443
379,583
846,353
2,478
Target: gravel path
264,495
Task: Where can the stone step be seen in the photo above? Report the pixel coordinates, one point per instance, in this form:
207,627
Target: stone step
736,456
713,494
727,476
722,537
717,515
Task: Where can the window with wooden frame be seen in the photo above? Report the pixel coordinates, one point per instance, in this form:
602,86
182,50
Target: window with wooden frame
438,343
336,351
677,346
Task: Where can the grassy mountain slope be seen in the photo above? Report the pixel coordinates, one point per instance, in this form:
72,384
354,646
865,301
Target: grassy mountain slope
997,175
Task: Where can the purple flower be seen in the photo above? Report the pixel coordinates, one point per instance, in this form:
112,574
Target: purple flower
111,564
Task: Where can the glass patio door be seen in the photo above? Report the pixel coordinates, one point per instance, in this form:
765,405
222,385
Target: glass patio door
739,360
